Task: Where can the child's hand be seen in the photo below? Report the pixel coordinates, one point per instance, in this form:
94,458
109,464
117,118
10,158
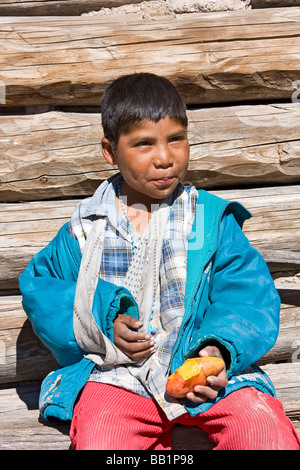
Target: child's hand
209,392
135,345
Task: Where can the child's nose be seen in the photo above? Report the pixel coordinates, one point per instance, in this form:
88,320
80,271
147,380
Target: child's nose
163,157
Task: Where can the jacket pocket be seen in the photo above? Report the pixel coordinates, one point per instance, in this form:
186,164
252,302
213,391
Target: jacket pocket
60,389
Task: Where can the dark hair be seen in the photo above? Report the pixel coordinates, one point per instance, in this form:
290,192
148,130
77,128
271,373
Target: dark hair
132,98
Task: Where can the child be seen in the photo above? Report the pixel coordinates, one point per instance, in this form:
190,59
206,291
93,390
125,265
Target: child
147,273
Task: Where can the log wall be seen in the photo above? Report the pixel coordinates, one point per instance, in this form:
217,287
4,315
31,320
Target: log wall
212,58
239,73
58,154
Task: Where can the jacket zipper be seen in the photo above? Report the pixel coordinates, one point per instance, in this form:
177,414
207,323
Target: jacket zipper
185,322
83,380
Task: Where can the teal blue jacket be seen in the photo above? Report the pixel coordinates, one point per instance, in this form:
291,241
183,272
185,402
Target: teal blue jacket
230,300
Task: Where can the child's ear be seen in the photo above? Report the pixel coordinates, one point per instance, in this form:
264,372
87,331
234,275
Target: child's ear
108,151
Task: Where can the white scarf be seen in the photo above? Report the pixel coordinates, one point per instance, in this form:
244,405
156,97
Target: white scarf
142,280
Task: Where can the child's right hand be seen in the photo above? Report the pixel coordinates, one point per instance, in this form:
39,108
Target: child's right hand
132,343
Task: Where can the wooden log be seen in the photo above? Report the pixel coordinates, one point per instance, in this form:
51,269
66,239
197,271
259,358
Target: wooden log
22,355
279,259
274,3
51,155
58,155
244,145
57,7
285,377
42,220
275,218
22,429
25,228
287,346
212,58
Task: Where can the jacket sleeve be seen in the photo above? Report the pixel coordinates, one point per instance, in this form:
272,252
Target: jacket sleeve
48,287
244,305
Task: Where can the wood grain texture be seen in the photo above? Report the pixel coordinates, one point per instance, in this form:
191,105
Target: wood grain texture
57,7
58,154
23,357
212,57
274,3
287,346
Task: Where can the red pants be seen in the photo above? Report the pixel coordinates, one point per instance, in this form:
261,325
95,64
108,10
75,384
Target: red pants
110,418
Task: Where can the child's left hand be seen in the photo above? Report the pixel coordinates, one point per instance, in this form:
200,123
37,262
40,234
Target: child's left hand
209,392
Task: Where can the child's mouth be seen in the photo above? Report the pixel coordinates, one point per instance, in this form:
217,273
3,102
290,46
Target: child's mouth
164,181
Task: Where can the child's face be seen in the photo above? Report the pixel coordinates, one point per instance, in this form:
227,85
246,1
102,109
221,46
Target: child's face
152,159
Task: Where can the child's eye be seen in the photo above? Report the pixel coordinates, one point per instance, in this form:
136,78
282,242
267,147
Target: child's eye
143,143
177,138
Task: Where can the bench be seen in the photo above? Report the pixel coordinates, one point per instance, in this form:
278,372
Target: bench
21,427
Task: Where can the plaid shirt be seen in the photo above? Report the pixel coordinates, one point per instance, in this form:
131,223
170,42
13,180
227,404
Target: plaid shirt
148,378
